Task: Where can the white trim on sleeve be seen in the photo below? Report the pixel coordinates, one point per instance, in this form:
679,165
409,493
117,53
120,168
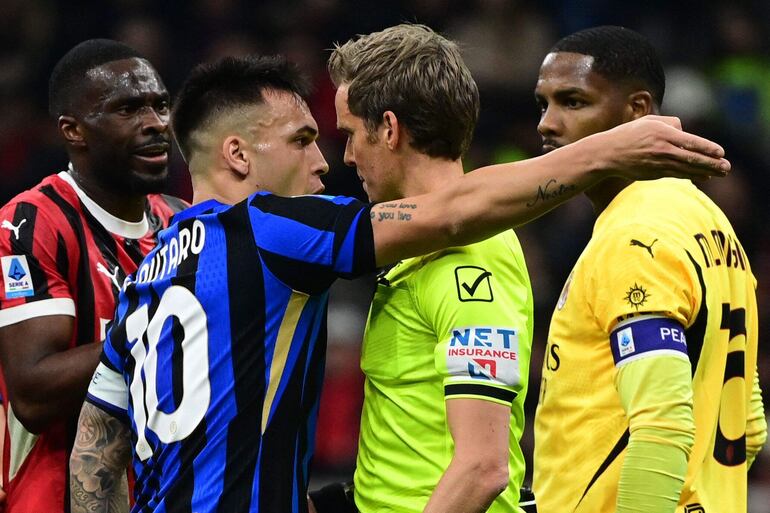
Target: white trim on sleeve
109,387
44,307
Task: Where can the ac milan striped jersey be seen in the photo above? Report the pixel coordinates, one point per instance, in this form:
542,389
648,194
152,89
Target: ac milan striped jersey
62,254
217,352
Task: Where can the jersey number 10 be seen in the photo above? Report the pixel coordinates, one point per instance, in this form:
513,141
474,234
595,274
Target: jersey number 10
177,425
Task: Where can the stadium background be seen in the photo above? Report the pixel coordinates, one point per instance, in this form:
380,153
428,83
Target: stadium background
717,57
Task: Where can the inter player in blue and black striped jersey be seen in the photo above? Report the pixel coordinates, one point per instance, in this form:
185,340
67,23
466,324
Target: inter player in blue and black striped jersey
212,369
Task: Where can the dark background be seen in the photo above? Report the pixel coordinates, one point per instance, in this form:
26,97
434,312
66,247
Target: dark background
717,58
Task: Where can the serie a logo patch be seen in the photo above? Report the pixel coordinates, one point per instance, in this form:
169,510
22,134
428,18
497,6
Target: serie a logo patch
16,276
626,342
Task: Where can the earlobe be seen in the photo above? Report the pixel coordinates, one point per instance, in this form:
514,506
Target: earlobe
70,129
235,155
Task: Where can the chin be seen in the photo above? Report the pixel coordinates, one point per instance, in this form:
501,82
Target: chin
148,183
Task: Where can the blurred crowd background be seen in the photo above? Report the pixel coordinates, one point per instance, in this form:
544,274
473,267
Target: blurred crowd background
717,57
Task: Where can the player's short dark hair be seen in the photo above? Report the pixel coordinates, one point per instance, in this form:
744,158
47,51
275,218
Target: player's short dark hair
67,75
620,54
216,88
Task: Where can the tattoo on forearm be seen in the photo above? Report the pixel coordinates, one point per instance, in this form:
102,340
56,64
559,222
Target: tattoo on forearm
395,211
550,191
98,464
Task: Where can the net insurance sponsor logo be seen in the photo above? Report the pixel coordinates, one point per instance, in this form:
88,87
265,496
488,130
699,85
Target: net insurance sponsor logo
18,282
484,353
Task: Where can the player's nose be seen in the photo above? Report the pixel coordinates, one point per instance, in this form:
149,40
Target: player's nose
549,123
320,166
154,121
349,158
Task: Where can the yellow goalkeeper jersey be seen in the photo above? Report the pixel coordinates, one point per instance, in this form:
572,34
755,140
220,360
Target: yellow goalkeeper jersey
662,248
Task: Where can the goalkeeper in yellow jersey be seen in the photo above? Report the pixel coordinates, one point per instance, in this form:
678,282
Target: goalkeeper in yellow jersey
650,399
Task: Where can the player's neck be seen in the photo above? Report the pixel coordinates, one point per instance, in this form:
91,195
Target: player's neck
604,192
221,185
424,174
203,190
123,205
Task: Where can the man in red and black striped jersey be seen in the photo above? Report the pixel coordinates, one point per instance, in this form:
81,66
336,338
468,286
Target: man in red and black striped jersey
66,246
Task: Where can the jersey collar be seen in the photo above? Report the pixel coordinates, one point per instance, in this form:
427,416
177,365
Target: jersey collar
207,206
126,229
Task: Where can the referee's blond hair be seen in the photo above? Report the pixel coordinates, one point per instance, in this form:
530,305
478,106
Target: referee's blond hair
420,76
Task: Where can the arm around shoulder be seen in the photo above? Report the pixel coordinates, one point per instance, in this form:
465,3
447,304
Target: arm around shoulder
495,198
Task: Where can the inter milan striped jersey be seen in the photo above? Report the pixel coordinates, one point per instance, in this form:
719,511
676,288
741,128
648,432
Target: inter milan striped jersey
62,254
217,352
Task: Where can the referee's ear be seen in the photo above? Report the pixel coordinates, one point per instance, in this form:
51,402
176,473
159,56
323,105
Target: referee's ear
390,130
235,155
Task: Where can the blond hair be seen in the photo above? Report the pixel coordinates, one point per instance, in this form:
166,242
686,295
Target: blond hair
420,76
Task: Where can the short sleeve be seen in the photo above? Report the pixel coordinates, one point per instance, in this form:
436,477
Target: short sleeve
108,388
309,241
479,302
109,391
641,272
35,258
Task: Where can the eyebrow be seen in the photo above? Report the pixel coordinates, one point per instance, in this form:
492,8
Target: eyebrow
561,93
164,96
568,91
307,130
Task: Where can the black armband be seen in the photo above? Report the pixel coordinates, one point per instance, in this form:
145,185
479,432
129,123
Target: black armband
334,498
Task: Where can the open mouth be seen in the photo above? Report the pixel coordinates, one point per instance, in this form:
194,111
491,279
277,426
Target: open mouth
156,154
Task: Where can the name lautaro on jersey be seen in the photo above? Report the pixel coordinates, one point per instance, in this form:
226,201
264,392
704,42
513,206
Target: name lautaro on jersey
172,252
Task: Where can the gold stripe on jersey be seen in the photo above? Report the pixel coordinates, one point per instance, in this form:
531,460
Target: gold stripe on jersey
282,345
663,248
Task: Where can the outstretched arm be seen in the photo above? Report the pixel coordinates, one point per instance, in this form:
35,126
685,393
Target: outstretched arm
495,198
98,463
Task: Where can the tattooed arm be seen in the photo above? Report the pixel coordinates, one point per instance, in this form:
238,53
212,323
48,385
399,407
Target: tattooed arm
98,463
495,198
